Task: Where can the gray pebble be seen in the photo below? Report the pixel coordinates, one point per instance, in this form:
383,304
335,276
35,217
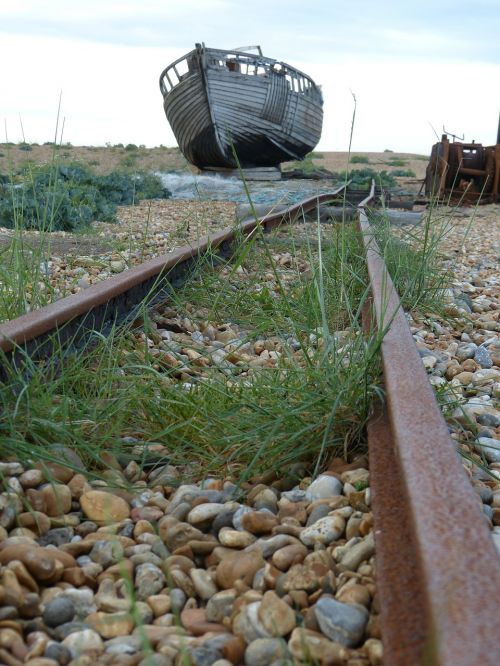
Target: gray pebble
204,655
489,447
238,517
318,512
263,651
488,511
295,495
58,611
483,357
57,536
465,351
8,613
178,599
123,645
149,580
106,553
223,519
488,420
156,660
68,628
58,652
341,622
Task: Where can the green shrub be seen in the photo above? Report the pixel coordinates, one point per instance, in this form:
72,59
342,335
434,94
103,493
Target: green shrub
25,146
71,197
362,178
397,162
359,159
131,146
408,173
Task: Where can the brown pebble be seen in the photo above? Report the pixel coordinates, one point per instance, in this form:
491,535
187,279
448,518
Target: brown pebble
285,557
78,577
234,649
6,659
194,620
354,594
12,590
23,575
34,520
238,566
103,508
110,625
160,604
366,525
31,478
57,499
78,485
259,522
35,500
54,472
40,565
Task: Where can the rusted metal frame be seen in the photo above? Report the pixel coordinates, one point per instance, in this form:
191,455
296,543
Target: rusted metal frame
98,308
443,165
438,572
496,180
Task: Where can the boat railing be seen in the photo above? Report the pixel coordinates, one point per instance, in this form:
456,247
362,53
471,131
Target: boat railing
177,71
259,65
239,62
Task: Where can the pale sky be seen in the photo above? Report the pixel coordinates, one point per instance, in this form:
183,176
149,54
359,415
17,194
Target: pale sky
413,66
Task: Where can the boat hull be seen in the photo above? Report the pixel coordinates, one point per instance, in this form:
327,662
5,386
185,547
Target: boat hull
222,117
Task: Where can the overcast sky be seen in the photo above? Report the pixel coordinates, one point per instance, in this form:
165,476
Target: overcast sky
413,66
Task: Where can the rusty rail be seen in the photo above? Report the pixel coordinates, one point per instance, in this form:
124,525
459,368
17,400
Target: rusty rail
438,571
77,317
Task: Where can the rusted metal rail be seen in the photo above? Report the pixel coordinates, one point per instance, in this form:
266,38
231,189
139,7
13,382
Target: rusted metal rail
69,323
438,571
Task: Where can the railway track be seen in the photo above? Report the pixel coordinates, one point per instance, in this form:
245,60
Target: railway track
438,572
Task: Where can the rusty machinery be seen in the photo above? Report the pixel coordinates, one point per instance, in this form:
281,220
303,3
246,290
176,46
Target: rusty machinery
469,172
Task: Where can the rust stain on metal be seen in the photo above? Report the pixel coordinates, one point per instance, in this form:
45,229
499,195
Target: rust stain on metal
431,534
464,172
28,327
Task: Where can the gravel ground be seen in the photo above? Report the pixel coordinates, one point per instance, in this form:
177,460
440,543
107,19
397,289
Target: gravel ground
280,570
462,355
272,573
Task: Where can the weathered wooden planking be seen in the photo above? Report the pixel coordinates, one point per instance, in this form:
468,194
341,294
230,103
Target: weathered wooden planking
228,101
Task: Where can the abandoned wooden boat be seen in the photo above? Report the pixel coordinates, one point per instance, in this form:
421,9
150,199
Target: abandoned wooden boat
221,103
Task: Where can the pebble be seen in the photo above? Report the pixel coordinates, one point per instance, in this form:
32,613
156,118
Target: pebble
264,651
84,641
104,508
149,580
324,530
238,566
58,611
276,616
323,487
342,623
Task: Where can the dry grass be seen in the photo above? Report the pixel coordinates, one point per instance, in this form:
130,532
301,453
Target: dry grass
104,159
